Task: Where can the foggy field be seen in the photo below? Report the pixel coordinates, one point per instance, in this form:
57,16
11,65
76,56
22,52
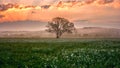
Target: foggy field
59,53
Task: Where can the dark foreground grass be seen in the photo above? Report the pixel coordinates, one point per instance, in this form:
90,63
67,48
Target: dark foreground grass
59,54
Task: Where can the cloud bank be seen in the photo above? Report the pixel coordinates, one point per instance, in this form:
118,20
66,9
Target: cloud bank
94,11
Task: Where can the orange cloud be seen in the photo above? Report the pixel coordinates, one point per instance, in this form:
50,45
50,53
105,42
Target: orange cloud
105,1
116,4
1,16
89,1
72,10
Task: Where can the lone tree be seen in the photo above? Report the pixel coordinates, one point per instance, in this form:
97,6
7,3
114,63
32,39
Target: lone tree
59,26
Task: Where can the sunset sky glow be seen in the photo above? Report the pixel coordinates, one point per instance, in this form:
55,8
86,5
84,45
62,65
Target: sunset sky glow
92,13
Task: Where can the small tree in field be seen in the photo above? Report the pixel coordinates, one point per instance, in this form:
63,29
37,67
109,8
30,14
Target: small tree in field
59,26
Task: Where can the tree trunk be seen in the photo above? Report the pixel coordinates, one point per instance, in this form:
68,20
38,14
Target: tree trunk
57,36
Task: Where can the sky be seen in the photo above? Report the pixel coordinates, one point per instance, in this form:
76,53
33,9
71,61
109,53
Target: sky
34,14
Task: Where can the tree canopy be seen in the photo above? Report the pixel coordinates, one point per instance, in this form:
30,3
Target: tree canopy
59,26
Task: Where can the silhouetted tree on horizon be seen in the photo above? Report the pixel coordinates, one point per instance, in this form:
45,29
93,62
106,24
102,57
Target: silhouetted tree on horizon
59,26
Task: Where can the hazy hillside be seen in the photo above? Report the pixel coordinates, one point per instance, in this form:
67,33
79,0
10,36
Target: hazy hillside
100,32
86,32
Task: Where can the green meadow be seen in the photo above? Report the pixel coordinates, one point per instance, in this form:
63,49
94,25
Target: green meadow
59,53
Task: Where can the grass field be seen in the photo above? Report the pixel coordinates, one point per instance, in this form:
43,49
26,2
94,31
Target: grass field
59,53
